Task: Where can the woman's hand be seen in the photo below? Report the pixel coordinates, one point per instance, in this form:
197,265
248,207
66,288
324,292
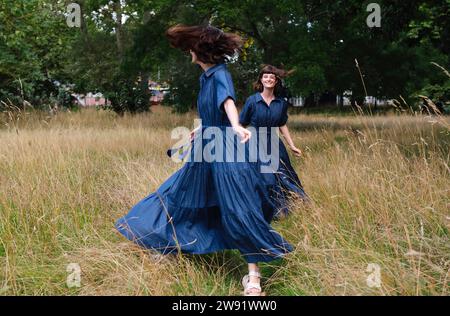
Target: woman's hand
192,134
232,113
297,152
243,133
285,132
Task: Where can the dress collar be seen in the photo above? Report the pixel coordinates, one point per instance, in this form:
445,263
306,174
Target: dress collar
213,69
259,98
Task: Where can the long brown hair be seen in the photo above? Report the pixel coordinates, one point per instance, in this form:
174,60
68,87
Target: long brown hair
279,73
210,44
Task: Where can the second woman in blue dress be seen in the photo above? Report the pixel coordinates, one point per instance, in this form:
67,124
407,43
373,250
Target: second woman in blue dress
266,110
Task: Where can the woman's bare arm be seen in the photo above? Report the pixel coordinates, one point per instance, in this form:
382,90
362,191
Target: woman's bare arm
287,136
232,113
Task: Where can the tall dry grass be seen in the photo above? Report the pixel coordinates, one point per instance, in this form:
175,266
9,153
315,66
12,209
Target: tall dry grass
379,188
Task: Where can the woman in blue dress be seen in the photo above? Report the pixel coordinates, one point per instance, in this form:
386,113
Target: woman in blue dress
210,205
267,110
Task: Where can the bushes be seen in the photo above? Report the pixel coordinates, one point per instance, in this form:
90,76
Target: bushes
128,96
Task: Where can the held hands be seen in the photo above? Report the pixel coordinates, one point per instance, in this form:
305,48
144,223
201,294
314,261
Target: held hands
243,133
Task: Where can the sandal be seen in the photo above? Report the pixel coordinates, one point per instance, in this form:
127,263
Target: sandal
251,285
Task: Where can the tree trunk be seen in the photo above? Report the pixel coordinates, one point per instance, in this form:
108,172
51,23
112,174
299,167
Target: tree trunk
83,27
144,87
119,35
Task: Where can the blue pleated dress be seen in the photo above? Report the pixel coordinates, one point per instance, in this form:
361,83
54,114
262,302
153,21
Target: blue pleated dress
284,180
209,206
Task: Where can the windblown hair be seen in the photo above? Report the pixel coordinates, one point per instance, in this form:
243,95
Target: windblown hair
210,44
278,72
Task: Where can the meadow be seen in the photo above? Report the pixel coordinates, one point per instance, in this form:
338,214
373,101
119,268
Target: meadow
380,190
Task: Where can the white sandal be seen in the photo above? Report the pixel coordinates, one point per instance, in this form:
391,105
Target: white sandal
251,285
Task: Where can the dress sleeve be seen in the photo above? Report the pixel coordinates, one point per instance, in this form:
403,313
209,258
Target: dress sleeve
284,114
224,88
247,112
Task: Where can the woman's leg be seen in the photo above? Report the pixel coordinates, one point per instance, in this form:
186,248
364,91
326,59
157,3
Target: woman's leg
253,279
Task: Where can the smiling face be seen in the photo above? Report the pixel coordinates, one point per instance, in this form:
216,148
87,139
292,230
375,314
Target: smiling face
269,81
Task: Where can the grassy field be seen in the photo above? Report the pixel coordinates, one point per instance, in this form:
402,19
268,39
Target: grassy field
380,188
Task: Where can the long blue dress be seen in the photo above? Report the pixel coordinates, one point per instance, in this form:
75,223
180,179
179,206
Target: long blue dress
209,206
258,114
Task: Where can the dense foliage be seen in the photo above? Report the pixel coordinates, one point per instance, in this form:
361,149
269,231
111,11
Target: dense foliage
119,45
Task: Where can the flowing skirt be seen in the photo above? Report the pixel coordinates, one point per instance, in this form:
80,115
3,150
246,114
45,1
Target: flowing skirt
208,206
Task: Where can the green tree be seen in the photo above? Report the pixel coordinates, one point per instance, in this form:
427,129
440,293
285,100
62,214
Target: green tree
32,40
